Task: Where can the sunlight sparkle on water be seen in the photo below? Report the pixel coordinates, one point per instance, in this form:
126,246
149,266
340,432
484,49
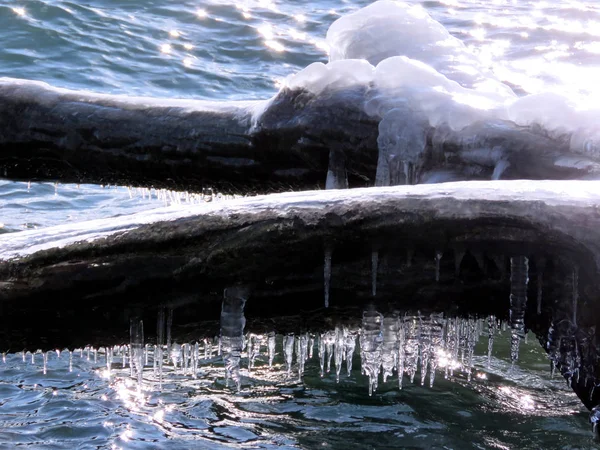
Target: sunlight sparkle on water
166,48
19,11
274,45
201,13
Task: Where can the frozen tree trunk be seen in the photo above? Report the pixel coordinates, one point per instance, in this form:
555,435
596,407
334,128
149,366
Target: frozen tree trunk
79,137
49,134
80,283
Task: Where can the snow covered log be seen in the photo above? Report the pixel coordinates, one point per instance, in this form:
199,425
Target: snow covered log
289,142
462,248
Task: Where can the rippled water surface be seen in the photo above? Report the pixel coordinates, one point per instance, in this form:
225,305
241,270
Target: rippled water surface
244,50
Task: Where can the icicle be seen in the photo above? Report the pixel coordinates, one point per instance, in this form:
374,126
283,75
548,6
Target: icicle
207,348
109,358
4,357
541,264
195,358
301,353
411,346
424,345
124,358
339,347
350,346
146,354
158,349
371,341
169,327
95,356
438,258
311,344
437,337
459,254
401,355
32,357
450,346
329,343
327,274
500,168
374,267
288,352
45,358
187,357
491,333
136,336
389,357
271,347
232,331
471,340
219,346
23,353
337,177
254,343
322,354
519,277
88,353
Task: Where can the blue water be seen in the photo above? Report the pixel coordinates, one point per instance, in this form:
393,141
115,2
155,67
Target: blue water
243,50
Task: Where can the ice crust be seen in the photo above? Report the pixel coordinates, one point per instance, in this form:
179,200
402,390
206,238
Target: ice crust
410,65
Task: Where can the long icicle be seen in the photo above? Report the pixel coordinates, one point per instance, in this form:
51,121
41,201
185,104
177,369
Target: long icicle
519,278
327,274
374,268
232,331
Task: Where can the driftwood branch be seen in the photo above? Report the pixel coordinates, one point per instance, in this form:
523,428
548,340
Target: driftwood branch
240,147
100,273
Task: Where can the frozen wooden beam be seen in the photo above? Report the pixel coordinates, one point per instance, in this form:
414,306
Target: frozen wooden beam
81,282
285,143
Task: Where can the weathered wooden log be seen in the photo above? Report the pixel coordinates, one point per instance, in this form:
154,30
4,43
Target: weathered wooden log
241,147
79,283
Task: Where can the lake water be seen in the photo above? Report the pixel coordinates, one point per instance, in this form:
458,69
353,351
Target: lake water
244,50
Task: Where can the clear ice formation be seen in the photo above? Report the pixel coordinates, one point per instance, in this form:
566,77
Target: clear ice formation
337,177
254,343
371,344
374,268
415,76
232,331
389,360
288,352
158,348
492,327
401,142
271,347
438,258
519,278
350,346
393,345
301,353
136,334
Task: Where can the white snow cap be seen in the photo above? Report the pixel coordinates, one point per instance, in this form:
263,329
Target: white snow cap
408,60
